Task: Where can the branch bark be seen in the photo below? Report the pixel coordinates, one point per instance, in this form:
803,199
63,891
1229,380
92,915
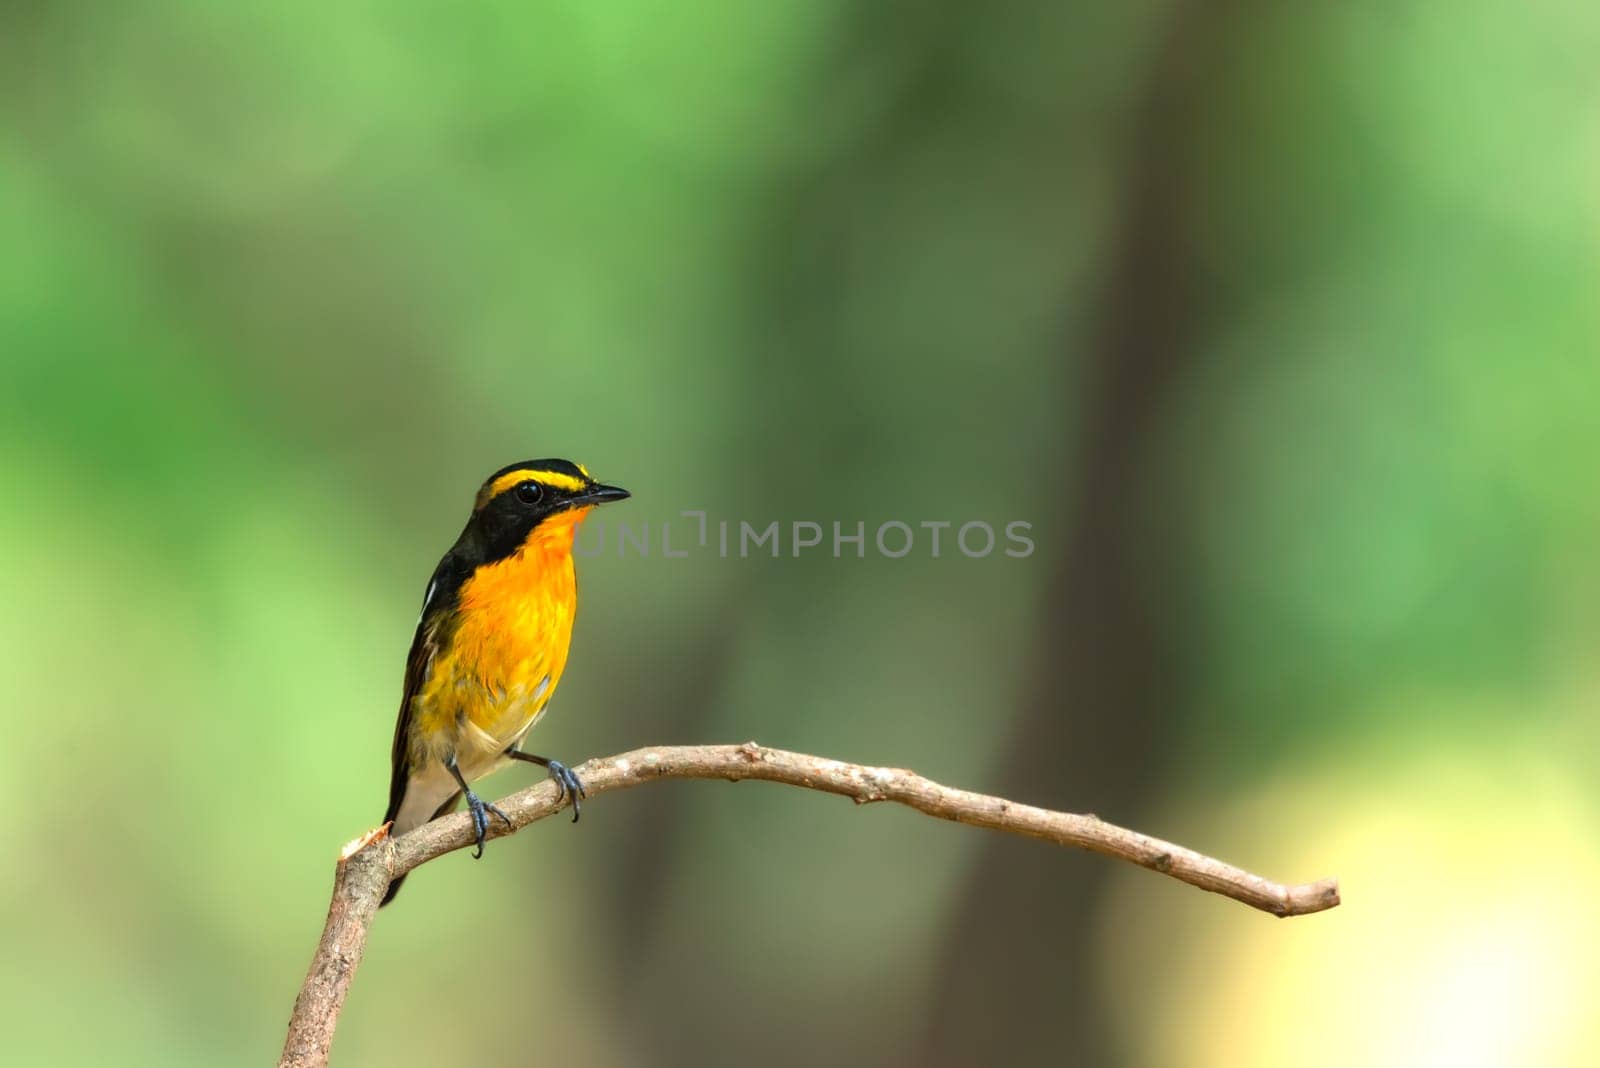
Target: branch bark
368,865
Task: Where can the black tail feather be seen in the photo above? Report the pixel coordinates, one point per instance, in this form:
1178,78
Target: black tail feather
444,809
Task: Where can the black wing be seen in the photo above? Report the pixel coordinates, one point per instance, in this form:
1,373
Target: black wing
437,604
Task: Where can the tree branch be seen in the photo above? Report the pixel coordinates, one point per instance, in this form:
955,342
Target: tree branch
368,865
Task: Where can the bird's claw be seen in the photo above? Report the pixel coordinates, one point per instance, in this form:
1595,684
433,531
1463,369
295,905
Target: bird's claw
480,810
568,785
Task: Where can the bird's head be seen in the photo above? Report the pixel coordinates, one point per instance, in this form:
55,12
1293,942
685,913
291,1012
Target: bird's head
536,497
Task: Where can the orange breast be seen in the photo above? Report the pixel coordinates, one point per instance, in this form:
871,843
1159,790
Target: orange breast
509,646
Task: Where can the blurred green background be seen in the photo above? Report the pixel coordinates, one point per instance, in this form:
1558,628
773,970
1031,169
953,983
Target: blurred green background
1278,322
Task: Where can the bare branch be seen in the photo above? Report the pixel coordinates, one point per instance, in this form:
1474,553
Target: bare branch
369,864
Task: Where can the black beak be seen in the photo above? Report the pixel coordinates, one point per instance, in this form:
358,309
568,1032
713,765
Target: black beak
598,494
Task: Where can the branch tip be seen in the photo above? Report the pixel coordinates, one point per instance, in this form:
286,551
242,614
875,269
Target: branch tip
356,845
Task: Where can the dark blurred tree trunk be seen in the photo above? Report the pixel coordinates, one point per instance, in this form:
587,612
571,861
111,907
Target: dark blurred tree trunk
1018,973
680,697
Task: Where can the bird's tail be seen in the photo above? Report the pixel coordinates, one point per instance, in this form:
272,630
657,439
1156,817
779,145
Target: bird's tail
395,816
394,888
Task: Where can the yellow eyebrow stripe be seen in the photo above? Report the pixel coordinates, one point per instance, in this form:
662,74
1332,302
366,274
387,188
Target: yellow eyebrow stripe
553,479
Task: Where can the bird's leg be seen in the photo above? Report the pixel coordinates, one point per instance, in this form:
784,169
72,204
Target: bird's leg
567,782
479,808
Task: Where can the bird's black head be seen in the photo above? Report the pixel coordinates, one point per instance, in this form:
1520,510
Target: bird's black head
518,497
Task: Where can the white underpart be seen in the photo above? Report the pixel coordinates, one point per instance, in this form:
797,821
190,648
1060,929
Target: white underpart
425,792
478,753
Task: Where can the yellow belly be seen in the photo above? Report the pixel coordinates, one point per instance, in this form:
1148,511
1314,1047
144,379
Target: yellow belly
502,662
474,722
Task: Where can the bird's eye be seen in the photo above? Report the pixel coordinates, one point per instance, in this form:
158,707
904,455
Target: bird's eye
529,492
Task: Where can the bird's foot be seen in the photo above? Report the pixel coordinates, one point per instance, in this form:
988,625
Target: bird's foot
568,785
481,810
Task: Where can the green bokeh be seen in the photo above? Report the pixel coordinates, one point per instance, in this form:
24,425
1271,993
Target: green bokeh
279,285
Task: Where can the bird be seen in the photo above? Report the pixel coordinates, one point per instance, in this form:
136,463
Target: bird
490,646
